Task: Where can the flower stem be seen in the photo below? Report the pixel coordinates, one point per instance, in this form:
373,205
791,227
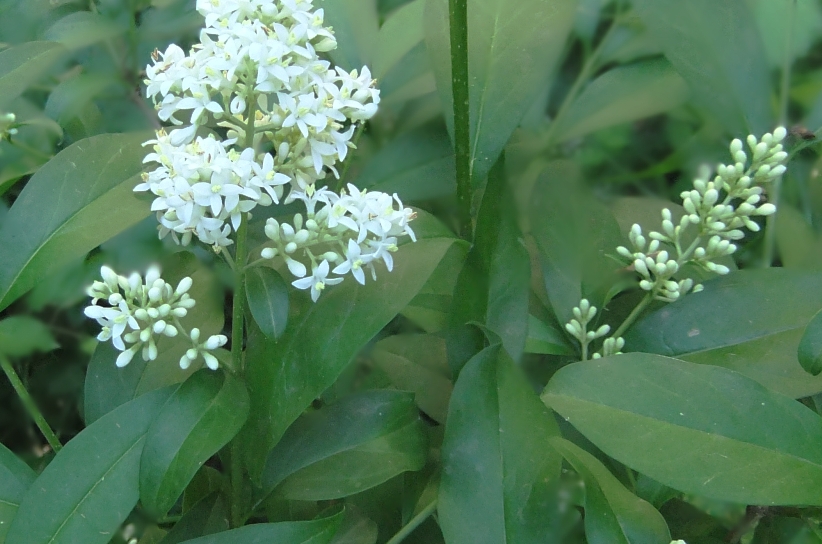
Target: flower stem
415,522
787,61
237,329
458,17
29,404
649,297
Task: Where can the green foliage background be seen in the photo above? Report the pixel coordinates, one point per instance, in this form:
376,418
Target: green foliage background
444,398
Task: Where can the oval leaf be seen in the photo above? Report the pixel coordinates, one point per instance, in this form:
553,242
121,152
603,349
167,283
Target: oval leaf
625,94
701,429
749,321
613,515
15,479
290,532
22,335
89,190
512,52
22,65
285,377
400,33
199,419
347,447
810,347
267,295
83,28
715,47
499,475
91,486
356,26
417,363
207,517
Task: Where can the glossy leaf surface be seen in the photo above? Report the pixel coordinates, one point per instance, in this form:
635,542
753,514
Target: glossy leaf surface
700,429
90,487
749,321
294,532
810,347
513,49
90,187
612,513
285,377
715,47
499,473
347,447
267,295
23,64
15,479
205,412
624,94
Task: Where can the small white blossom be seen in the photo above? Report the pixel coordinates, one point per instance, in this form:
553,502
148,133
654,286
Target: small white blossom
317,281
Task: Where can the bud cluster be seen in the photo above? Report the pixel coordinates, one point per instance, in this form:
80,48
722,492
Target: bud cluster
256,72
716,210
578,328
7,128
350,231
140,311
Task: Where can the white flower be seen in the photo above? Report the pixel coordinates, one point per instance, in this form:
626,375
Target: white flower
317,281
354,261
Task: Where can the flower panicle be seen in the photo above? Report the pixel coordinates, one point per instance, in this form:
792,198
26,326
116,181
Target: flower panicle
350,231
717,211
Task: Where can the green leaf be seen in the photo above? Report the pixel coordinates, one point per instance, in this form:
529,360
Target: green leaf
15,479
347,447
493,287
702,429
107,386
88,189
417,165
775,20
267,295
22,335
574,234
356,528
207,517
715,47
513,51
83,28
544,338
70,96
810,347
417,363
21,65
90,487
499,474
400,33
285,377
624,94
613,515
201,417
292,532
750,321
356,27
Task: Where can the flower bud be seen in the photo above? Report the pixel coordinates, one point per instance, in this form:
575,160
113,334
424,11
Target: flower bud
268,253
183,287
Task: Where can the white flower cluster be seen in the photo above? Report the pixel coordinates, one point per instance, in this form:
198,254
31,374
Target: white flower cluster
350,231
717,209
578,328
255,71
139,311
